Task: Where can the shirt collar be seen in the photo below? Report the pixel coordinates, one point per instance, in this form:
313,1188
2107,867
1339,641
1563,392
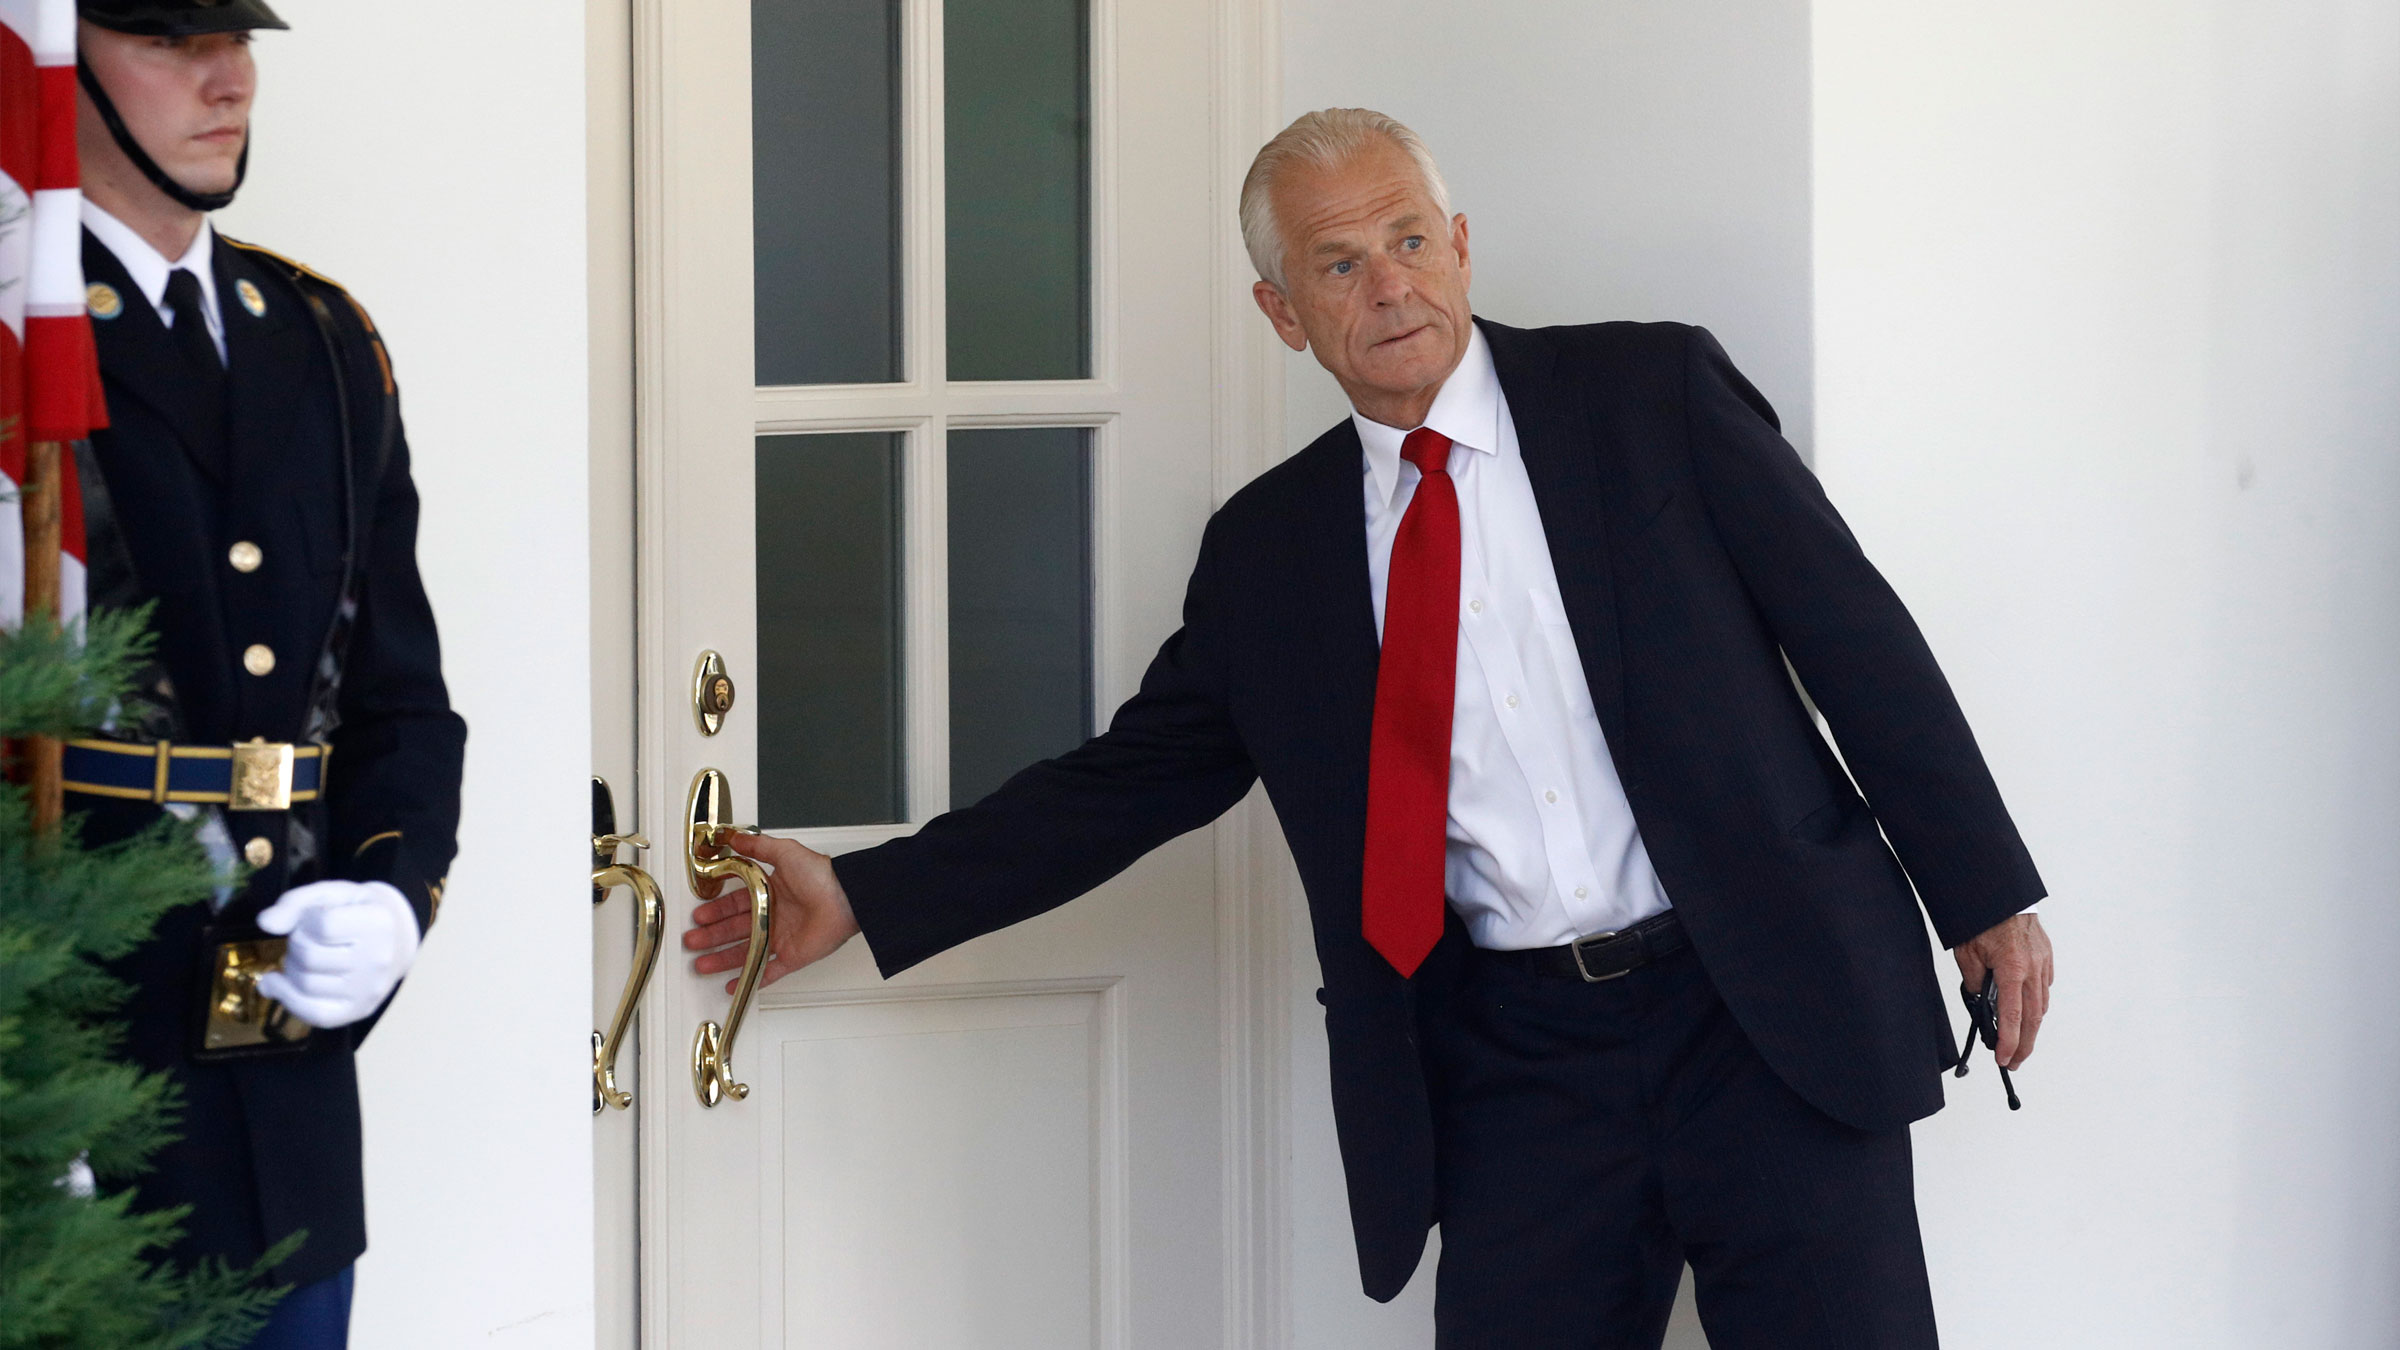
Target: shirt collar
146,265
1467,410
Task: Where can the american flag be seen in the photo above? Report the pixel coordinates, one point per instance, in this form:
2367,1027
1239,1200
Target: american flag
49,380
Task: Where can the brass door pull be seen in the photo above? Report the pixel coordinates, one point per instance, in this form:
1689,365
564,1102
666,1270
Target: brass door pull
649,927
710,813
649,924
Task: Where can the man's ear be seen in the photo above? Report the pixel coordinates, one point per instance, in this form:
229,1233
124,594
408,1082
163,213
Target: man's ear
1278,309
1458,240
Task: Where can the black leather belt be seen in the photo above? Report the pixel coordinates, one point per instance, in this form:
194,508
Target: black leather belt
250,776
1602,956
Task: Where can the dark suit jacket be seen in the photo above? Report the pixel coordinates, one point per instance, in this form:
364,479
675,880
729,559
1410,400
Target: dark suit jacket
1694,553
305,457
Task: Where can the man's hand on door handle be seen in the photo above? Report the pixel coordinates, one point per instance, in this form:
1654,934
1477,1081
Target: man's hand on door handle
811,914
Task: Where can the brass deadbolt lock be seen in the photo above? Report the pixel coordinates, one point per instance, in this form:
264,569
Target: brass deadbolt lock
712,693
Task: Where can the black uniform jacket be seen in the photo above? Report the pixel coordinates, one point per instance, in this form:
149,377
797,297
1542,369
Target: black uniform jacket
1694,552
308,463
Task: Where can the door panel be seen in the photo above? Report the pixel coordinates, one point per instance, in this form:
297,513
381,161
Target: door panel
925,452
985,1125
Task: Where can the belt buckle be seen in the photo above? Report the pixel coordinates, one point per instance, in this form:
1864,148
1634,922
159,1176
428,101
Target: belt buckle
1577,946
262,777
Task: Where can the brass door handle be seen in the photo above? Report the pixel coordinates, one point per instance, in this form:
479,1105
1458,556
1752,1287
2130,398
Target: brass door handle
709,809
649,924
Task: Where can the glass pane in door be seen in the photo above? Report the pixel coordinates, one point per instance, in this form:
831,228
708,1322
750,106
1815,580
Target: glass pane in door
1017,168
1020,601
825,190
829,624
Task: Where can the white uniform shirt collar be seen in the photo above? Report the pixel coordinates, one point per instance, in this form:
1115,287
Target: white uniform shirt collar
1467,410
149,268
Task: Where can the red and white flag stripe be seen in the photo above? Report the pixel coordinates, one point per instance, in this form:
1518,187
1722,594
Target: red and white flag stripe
49,379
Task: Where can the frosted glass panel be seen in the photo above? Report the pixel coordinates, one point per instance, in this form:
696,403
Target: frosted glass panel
1018,127
1020,601
825,189
829,624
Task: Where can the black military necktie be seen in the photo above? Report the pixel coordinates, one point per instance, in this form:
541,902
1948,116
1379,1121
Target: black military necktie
191,326
206,432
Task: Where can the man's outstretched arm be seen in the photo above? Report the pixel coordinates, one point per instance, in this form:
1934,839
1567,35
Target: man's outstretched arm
1169,763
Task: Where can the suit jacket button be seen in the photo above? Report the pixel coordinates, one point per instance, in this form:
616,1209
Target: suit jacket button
245,556
258,658
258,852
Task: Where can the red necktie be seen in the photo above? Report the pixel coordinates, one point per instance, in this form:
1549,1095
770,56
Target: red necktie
1408,762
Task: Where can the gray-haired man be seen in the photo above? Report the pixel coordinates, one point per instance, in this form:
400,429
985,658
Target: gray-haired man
1619,970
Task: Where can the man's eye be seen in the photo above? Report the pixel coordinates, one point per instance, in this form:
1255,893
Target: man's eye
1413,242
1342,268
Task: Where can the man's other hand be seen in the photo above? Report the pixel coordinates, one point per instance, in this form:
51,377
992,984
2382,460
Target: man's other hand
2017,950
811,915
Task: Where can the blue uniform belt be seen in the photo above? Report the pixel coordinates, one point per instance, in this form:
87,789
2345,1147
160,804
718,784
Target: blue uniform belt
247,776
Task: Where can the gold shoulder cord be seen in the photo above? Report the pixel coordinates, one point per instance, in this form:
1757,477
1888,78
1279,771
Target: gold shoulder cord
292,263
383,360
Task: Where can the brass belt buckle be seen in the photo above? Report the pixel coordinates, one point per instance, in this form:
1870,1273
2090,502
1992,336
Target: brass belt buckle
262,777
1585,971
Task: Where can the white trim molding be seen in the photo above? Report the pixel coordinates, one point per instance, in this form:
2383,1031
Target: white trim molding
1255,881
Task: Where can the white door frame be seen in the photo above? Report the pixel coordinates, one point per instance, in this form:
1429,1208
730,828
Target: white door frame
629,42
616,709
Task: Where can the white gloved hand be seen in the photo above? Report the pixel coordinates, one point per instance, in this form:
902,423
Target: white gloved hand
350,944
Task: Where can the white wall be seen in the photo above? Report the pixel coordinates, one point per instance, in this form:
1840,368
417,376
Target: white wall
431,157
2108,356
1616,159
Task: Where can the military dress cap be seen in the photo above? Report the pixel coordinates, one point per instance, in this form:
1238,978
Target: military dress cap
179,18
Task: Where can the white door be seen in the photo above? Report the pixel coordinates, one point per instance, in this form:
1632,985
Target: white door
932,360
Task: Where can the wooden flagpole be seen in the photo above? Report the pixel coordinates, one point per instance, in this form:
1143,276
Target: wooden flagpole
40,505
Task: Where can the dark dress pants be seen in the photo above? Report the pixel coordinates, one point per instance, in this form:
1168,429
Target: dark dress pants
311,1317
1592,1138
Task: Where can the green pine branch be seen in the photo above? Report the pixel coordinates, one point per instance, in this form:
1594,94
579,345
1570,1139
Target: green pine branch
55,683
79,1268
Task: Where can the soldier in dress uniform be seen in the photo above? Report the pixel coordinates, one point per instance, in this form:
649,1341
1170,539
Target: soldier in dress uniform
254,485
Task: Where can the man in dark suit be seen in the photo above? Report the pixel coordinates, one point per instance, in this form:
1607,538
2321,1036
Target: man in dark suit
253,485
1620,971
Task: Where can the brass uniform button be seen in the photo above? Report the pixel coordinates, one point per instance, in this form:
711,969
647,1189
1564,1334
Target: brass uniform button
245,556
258,852
258,658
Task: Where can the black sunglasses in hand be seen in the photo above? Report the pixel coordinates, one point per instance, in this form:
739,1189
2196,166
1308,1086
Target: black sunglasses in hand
1983,1009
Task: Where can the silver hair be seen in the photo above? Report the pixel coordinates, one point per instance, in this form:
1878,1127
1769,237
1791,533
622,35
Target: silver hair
1321,139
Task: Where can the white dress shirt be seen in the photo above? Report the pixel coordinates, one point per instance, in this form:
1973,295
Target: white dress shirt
1543,847
150,269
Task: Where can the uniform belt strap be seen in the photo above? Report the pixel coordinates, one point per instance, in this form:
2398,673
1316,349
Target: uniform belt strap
248,776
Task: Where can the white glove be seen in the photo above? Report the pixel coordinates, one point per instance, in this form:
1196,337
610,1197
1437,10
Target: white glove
351,942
